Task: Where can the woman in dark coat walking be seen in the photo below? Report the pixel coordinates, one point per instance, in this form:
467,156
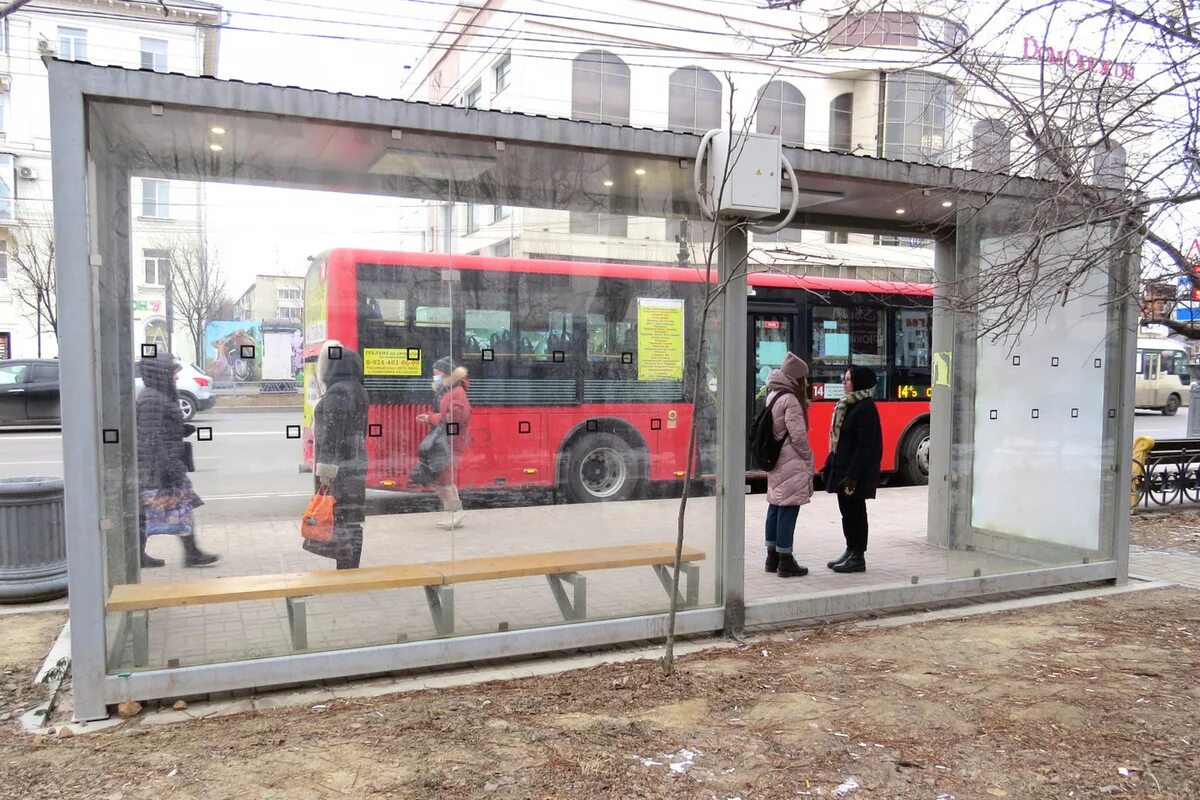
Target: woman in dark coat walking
852,471
340,450
162,469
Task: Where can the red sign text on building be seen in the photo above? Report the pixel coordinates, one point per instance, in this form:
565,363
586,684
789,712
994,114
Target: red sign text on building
1073,59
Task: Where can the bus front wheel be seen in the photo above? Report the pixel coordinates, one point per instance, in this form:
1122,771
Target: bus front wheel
601,467
1171,407
916,455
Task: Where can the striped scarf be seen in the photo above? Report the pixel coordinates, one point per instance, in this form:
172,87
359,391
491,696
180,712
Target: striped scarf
839,415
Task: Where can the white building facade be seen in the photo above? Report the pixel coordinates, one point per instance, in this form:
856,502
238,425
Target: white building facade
127,34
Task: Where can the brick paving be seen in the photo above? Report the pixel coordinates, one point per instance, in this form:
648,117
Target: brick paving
1166,565
251,629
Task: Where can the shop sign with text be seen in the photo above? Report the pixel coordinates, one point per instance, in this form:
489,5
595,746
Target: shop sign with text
1073,59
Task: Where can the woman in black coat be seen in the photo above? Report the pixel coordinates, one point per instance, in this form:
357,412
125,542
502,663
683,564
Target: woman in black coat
340,441
160,451
852,471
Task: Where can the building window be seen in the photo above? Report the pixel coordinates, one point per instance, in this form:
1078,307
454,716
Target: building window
72,44
4,112
693,100
502,249
991,146
1109,165
781,112
3,260
154,54
841,123
600,88
158,266
289,313
289,295
501,212
4,35
8,188
599,224
503,72
916,117
837,237
156,198
894,29
473,97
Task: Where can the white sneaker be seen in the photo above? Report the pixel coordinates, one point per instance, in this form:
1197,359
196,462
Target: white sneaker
455,521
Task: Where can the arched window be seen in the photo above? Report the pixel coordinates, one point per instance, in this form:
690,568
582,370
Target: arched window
991,146
916,121
600,88
694,100
841,123
781,111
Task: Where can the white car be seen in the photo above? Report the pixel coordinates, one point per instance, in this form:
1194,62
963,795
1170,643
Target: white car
194,389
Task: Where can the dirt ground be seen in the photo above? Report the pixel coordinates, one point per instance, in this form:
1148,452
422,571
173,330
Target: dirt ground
1166,530
1093,698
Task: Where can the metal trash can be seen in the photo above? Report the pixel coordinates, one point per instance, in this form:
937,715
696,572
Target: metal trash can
33,546
1193,428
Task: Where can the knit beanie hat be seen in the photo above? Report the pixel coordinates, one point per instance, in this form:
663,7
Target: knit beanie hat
444,365
863,378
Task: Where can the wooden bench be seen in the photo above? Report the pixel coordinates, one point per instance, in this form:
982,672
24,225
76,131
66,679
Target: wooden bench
562,568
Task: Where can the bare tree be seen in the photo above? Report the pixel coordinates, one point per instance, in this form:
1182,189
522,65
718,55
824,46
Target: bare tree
1100,101
31,252
196,286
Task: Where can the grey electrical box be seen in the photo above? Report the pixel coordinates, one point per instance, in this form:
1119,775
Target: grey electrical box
743,174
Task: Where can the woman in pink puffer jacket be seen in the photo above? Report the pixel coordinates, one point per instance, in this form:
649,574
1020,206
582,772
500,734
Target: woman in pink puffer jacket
790,483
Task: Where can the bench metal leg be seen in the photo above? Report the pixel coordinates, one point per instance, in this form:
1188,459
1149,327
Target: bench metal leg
139,623
690,578
572,608
297,611
441,606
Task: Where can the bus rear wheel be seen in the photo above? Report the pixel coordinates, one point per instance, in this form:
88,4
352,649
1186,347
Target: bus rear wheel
1171,407
916,456
601,467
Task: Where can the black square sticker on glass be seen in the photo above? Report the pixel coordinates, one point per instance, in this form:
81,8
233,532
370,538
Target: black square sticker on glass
452,429
293,431
1054,361
488,354
1112,413
592,426
524,427
558,356
149,351
110,436
414,354
1035,414
248,351
374,430
656,424
335,354
1074,413
626,358
1097,363
1016,361
993,414
204,434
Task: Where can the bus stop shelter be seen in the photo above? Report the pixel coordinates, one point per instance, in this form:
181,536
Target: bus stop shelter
1029,434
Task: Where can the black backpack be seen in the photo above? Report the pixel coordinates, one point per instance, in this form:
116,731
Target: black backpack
763,445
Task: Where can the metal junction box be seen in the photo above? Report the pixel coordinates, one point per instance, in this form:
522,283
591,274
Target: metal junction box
750,167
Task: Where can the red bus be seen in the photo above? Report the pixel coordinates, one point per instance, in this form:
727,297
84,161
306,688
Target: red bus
581,373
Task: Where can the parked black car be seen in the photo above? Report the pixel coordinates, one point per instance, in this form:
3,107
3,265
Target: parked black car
29,392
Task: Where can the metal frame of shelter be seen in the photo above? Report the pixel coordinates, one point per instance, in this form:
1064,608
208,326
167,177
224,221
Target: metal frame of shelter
91,178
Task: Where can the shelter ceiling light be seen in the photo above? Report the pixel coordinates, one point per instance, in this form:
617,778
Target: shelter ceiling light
218,130
216,148
947,203
899,210
639,172
608,183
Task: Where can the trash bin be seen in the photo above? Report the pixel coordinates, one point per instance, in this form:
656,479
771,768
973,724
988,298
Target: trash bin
33,547
1193,428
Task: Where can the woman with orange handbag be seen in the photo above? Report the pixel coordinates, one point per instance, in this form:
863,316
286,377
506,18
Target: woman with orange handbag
340,441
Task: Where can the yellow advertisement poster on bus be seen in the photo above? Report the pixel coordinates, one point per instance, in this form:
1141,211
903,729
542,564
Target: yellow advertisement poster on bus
392,361
660,339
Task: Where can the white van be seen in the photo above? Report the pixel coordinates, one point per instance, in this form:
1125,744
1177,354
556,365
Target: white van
1162,375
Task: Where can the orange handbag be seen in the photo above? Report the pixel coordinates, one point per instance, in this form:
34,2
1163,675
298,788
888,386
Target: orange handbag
317,523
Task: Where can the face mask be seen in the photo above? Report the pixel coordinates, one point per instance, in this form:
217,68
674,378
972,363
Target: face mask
437,379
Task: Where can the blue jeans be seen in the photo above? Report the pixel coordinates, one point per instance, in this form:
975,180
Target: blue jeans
781,527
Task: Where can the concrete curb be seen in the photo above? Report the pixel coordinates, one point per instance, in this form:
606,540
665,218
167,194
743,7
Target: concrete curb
253,409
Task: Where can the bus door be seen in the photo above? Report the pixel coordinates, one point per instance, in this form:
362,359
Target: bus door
771,335
1147,388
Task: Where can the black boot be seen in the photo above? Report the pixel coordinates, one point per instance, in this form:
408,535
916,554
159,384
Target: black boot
772,559
193,556
788,568
857,562
149,562
839,559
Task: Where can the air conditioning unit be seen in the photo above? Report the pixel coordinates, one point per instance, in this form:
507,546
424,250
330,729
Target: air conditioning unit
44,46
28,173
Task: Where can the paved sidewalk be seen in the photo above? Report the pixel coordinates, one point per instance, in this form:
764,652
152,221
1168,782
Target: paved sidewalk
1166,565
